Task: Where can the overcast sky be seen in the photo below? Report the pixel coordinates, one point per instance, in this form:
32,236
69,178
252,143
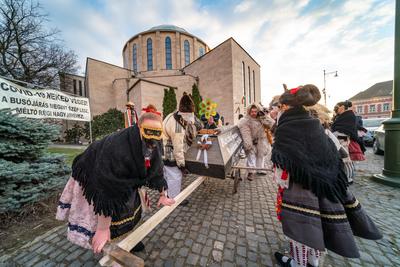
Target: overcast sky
293,41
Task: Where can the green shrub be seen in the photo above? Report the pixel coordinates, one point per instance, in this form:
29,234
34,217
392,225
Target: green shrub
105,124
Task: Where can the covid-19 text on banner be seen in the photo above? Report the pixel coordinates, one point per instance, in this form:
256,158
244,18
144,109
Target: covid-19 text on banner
43,103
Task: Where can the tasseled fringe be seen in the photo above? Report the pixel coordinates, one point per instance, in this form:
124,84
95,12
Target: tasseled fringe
102,205
334,192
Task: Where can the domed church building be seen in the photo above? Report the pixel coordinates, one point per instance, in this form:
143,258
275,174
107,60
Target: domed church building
168,56
165,47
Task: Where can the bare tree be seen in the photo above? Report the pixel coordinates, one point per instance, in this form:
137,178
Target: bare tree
28,50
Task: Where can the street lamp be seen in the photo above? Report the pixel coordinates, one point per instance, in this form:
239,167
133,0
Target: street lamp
325,74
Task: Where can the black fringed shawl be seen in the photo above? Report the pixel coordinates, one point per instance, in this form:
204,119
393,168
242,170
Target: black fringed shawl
346,123
302,148
110,169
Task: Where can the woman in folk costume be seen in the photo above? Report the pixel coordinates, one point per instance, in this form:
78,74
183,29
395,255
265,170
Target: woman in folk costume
314,205
101,200
344,127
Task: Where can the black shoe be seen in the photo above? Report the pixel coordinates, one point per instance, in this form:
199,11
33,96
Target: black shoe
184,203
139,247
279,256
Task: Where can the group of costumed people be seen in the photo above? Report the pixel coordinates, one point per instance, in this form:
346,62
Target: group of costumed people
102,200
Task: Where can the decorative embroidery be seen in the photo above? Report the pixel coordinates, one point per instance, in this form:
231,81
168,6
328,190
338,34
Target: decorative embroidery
64,205
353,205
339,216
80,229
127,219
279,196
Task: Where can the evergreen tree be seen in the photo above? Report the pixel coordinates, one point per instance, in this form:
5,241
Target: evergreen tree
27,174
196,99
169,101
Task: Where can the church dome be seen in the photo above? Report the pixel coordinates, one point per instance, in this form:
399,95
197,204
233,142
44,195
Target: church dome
162,48
168,27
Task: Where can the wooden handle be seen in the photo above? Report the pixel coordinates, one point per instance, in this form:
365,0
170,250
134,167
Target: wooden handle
121,256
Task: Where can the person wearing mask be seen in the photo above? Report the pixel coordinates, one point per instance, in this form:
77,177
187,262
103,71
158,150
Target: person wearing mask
101,200
255,142
314,205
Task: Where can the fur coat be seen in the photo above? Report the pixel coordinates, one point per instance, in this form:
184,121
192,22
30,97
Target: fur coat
253,134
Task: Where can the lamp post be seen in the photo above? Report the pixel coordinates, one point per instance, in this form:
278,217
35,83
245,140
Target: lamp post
325,74
391,170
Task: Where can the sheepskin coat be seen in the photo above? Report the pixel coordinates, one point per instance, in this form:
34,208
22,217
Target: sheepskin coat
253,134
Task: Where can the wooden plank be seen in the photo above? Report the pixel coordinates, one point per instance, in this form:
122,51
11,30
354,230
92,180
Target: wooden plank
136,236
252,168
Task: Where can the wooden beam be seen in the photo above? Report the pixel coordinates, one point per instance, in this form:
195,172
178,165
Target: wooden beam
252,168
136,236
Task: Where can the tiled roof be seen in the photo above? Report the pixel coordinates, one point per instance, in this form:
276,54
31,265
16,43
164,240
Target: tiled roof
377,90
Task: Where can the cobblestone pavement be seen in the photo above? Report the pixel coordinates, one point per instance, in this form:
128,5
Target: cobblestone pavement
221,229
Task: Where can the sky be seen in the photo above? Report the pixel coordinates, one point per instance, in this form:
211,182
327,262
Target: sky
293,41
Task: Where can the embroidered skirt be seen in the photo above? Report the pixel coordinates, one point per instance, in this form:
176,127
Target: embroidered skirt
321,224
82,221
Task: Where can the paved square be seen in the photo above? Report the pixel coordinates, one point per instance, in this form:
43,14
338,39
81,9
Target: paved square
221,229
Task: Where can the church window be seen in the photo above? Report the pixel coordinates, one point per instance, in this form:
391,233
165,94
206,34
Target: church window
249,86
244,83
254,86
149,54
186,47
201,51
168,57
134,57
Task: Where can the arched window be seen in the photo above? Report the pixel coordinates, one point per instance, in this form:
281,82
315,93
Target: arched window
149,54
244,83
168,58
249,86
186,47
126,60
254,86
201,51
134,58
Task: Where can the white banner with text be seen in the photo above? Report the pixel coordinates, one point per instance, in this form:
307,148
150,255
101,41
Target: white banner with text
43,103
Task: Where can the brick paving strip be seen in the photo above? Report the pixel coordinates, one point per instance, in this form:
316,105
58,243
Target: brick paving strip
220,229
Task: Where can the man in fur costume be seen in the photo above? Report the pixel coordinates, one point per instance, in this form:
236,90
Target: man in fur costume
255,142
101,200
316,209
179,131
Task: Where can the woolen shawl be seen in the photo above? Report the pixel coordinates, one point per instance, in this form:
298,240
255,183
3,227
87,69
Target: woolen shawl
110,169
302,148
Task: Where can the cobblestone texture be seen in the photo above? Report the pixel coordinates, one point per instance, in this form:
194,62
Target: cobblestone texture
220,229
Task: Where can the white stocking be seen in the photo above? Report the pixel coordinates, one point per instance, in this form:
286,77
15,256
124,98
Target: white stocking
301,255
